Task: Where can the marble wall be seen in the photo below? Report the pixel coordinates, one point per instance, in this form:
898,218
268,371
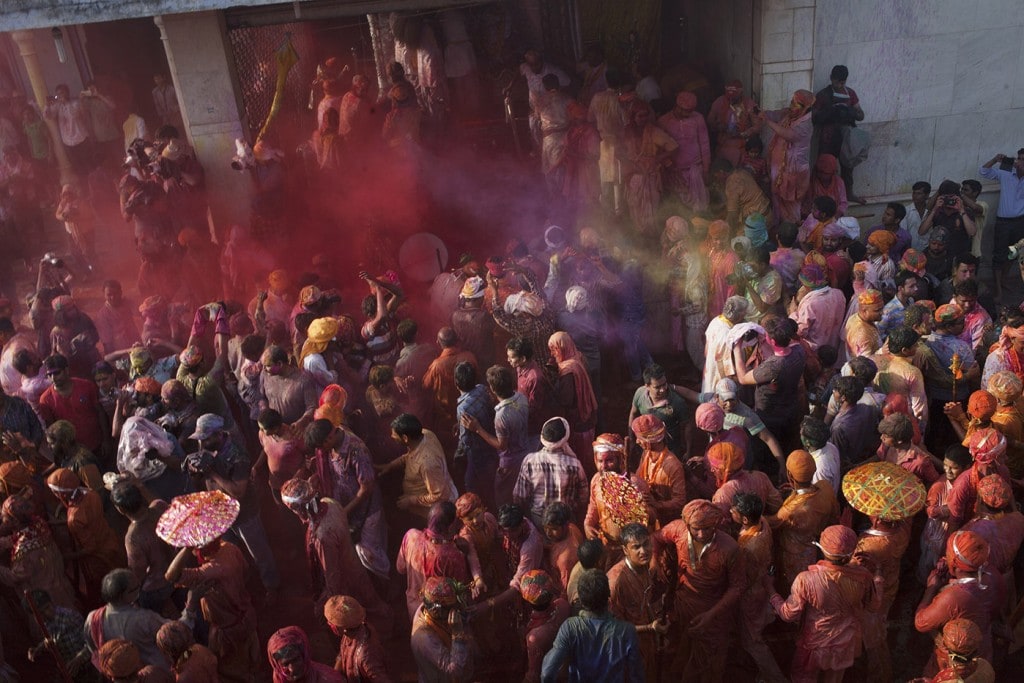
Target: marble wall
941,82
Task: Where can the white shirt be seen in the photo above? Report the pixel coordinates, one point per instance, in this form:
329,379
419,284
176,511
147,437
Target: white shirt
911,222
826,459
71,120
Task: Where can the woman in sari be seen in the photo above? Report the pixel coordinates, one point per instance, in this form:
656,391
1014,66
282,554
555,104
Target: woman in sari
722,261
574,395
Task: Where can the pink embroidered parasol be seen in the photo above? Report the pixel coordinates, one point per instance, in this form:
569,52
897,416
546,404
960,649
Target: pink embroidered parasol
196,519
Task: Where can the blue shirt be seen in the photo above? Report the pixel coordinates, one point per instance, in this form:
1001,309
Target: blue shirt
599,649
475,402
1011,191
511,424
892,317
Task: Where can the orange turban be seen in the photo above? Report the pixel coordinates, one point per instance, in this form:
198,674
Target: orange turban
870,297
838,541
14,476
982,405
147,385
801,466
725,456
1005,386
467,503
701,513
344,611
648,427
883,240
63,480
119,658
805,98
966,551
962,637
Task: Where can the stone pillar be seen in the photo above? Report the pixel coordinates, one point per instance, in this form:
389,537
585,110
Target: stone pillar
27,47
783,54
203,72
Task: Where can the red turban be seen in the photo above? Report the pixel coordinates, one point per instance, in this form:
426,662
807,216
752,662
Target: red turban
147,385
344,611
119,658
63,480
994,491
838,541
701,514
966,551
710,417
686,100
982,405
648,427
826,163
986,445
801,466
609,442
467,503
805,98
962,636
726,456
440,591
883,240
536,587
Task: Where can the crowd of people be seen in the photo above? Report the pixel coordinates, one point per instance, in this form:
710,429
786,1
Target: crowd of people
835,425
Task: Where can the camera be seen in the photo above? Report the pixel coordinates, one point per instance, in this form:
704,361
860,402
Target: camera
1007,163
949,200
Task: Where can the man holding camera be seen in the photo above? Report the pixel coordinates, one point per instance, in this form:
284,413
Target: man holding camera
1009,225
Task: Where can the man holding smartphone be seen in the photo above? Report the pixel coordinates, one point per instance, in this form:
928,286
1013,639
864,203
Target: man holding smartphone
1009,225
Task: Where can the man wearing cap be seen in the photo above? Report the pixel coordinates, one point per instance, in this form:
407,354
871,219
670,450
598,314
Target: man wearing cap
222,465
473,325
716,345
596,646
961,587
77,401
659,398
440,642
819,314
360,655
732,118
691,162
711,582
830,597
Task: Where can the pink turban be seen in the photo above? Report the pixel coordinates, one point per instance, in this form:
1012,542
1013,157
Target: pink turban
710,417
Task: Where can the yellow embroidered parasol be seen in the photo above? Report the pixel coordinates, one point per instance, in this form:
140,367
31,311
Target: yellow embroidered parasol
885,490
196,519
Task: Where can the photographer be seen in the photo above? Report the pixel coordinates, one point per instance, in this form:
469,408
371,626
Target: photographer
1009,225
220,464
948,211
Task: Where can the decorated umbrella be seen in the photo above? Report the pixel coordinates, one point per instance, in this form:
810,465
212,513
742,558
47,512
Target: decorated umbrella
884,490
196,519
624,501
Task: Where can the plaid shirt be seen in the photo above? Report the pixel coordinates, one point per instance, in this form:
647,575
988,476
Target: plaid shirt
549,476
66,631
17,416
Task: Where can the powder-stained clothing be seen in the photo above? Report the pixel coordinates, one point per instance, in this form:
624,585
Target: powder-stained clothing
439,381
421,557
426,480
710,578
130,623
196,665
913,459
885,550
746,481
691,162
798,524
964,496
439,657
294,396
897,375
103,550
561,557
36,562
228,609
541,631
819,317
336,567
666,479
80,407
361,658
964,598
861,338
831,600
598,648
638,596
547,477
